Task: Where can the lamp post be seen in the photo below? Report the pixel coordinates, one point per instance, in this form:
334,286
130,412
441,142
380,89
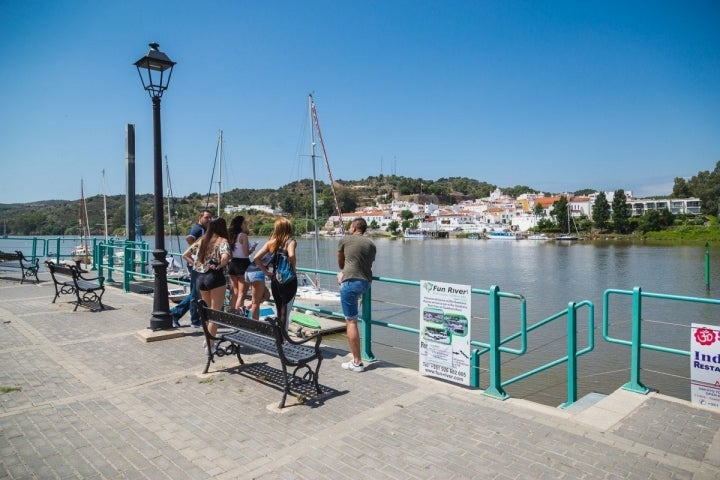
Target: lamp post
155,70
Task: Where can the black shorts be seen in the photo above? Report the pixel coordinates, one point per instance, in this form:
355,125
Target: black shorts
211,280
237,266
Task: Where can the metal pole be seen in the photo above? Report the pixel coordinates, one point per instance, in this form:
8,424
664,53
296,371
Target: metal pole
130,179
161,318
635,385
707,266
495,387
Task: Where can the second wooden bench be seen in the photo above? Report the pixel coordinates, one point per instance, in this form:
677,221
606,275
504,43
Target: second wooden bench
69,280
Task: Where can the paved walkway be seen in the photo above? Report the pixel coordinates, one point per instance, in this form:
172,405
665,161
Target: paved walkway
83,397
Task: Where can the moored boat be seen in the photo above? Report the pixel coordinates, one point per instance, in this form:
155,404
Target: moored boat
414,233
567,238
503,236
538,236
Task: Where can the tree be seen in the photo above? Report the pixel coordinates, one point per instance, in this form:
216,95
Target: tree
393,226
538,210
706,186
517,190
601,212
561,214
681,189
406,215
620,212
656,220
546,225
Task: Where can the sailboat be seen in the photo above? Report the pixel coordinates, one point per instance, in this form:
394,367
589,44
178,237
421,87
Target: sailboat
83,252
568,237
176,269
309,290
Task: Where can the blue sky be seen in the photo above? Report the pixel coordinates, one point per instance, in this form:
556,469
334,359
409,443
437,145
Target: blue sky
557,95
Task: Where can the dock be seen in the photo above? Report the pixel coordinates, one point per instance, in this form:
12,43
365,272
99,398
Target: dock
83,397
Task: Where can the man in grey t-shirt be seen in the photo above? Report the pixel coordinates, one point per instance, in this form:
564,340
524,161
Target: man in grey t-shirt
356,254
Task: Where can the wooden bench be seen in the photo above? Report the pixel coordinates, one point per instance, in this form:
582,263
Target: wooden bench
268,337
16,260
69,279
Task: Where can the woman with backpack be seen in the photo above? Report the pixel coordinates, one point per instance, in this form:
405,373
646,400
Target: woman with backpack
283,280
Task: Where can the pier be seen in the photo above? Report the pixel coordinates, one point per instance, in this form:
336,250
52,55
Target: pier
84,397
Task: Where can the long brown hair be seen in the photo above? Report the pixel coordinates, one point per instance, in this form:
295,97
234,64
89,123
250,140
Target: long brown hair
282,232
216,227
236,227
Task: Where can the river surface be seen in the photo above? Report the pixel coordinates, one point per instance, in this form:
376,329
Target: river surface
548,275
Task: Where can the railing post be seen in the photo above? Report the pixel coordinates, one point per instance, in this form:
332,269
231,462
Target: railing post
495,388
366,337
634,385
57,251
96,255
98,250
571,356
475,368
707,266
109,252
34,248
127,259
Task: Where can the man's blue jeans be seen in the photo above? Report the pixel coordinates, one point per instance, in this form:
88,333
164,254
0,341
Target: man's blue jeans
188,304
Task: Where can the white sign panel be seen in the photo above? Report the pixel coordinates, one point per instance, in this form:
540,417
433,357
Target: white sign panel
705,365
445,331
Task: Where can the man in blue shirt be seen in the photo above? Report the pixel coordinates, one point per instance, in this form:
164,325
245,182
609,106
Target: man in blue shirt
197,231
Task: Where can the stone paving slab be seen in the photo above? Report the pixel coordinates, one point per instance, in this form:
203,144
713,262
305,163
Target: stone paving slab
87,399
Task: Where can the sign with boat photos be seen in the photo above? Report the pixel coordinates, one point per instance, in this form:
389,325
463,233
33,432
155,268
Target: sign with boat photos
445,331
705,365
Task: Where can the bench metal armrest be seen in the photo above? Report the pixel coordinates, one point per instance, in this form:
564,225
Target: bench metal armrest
80,276
315,337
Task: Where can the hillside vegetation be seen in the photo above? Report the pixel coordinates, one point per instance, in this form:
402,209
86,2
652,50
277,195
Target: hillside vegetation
62,218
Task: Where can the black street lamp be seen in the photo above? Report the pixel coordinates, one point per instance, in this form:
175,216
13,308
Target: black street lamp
154,66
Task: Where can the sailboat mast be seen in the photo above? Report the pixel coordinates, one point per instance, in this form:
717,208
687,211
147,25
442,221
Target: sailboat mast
316,122
314,188
84,229
220,173
169,194
105,204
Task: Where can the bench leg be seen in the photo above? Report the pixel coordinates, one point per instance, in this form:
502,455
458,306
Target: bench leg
207,365
286,387
317,377
102,292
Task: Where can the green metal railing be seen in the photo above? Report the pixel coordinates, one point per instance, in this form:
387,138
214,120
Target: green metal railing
635,343
495,345
492,348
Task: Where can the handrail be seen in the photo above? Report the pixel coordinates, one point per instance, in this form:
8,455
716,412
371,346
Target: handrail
635,343
493,347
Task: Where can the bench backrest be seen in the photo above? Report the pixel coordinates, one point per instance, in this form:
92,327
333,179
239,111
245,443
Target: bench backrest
10,256
59,269
231,320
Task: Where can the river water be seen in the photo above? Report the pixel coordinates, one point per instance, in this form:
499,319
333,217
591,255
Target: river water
548,275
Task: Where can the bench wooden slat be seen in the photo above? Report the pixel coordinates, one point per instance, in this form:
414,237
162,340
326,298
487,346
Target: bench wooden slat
267,337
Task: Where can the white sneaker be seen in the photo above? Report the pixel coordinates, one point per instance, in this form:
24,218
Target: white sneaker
205,347
353,367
